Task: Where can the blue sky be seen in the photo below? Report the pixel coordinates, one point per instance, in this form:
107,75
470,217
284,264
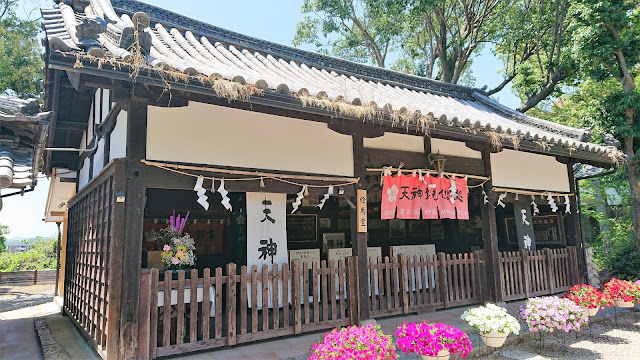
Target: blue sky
272,20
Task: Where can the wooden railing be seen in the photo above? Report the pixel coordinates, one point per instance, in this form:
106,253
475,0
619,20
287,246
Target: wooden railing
525,273
28,277
237,308
425,283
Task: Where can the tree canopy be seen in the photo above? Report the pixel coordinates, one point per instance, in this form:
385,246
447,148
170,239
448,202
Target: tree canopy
20,61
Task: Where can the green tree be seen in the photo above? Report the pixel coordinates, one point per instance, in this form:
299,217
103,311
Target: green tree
4,230
20,61
607,38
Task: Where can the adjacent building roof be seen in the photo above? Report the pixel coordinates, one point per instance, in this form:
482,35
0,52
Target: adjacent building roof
105,29
23,132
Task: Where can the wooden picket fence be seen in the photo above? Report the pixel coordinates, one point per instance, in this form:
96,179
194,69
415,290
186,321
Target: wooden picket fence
238,308
424,283
525,273
28,277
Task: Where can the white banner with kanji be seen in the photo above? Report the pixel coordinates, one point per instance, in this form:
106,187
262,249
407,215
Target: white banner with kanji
266,235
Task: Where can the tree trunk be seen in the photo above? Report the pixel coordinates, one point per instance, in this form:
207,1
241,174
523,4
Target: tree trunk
632,172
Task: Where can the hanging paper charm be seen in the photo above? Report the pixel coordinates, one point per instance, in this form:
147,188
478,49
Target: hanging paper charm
226,202
524,216
325,197
485,197
202,198
552,203
296,204
536,211
527,242
500,198
567,205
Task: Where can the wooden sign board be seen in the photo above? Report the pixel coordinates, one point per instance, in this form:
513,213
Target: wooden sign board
362,210
302,228
414,250
341,254
305,255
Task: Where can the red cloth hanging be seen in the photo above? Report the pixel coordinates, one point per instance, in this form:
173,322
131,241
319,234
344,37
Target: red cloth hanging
389,200
408,199
429,204
445,208
462,199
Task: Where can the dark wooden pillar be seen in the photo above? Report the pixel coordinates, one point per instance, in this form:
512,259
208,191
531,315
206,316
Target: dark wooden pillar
574,235
492,286
359,239
135,198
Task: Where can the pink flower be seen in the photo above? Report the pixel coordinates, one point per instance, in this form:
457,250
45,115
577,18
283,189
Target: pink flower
166,248
179,253
175,261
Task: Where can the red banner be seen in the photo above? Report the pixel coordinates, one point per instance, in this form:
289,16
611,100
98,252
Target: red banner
409,196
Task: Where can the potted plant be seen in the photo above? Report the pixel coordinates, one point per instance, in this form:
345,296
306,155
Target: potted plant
354,342
492,322
177,252
589,298
624,293
433,340
551,313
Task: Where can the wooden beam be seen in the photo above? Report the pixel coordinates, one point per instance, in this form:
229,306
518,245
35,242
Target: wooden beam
359,239
349,127
493,288
573,220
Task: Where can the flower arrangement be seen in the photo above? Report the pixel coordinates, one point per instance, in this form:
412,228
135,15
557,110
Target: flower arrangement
428,339
552,313
491,318
622,290
177,252
588,297
354,342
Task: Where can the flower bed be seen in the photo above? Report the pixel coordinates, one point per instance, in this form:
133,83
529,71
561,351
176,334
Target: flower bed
588,297
354,342
552,313
491,318
429,339
622,290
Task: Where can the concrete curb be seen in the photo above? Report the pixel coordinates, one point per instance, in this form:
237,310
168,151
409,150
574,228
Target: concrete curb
51,350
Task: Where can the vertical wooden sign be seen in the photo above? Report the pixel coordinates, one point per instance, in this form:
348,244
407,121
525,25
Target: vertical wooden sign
362,211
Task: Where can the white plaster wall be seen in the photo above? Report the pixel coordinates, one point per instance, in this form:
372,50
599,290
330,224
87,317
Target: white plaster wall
453,148
98,158
106,104
393,141
118,145
518,169
83,177
216,135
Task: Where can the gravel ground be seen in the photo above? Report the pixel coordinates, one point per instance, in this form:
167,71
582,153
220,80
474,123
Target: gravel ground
606,341
17,297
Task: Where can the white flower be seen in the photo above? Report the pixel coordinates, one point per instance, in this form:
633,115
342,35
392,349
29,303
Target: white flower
491,318
393,193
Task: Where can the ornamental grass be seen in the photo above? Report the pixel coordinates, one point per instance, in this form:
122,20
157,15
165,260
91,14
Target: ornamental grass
430,338
589,297
551,313
354,342
623,290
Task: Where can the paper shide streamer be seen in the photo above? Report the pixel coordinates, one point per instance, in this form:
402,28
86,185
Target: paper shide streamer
296,204
567,205
325,197
202,198
226,202
524,217
552,203
500,198
536,211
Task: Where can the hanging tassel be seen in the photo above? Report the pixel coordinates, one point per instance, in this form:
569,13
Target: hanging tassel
517,197
485,197
306,190
202,198
552,203
325,197
261,182
567,204
226,202
420,176
296,204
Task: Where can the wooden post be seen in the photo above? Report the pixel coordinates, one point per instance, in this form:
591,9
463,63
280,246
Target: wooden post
144,315
493,288
134,203
404,286
442,280
352,297
35,277
231,304
358,235
526,271
296,303
548,259
574,234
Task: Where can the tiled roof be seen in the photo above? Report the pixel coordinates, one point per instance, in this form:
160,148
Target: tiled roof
106,28
23,131
582,171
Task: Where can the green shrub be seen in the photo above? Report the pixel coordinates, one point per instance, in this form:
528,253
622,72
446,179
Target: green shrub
42,255
623,262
